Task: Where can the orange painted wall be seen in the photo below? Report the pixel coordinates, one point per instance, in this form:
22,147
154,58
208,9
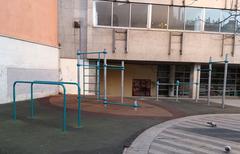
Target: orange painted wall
30,20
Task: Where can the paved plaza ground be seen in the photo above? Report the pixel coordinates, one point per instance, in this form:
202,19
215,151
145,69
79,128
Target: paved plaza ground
102,132
190,135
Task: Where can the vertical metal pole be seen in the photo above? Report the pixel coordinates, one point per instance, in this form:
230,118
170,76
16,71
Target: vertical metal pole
64,109
177,89
105,77
225,80
209,80
157,85
78,69
197,85
32,102
83,75
14,112
122,81
79,106
98,77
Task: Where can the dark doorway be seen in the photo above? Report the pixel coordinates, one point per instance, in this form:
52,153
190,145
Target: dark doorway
141,87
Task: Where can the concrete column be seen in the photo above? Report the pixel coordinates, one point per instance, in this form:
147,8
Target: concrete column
195,77
171,80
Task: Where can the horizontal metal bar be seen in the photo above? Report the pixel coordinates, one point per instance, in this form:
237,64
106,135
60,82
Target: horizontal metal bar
89,83
91,90
166,84
90,75
221,61
91,52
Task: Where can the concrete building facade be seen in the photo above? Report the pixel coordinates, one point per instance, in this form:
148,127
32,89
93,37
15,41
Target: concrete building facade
28,47
163,41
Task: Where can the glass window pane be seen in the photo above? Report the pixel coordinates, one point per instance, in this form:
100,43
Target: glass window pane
139,15
212,20
193,19
121,14
159,16
103,13
176,18
228,21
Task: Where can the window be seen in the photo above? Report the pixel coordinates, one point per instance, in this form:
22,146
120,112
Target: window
228,21
176,18
139,15
212,20
193,19
121,14
103,13
159,16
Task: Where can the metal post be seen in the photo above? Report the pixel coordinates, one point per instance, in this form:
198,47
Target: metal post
98,77
14,113
32,102
78,69
105,77
209,80
225,80
177,88
79,106
197,85
83,62
64,109
157,85
122,82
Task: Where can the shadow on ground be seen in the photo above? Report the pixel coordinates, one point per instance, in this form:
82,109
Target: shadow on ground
100,133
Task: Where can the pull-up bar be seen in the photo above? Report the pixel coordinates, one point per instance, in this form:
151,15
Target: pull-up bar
225,61
32,108
105,67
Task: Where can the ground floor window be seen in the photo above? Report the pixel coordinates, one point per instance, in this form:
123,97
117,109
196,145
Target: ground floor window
233,81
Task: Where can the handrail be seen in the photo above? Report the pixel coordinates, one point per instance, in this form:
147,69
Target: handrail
62,84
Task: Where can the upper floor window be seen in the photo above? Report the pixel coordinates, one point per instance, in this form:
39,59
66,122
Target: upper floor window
103,13
121,13
159,16
139,14
228,21
212,20
193,19
176,17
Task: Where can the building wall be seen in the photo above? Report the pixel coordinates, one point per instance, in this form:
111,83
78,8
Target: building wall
21,60
28,47
34,21
155,45
69,37
132,71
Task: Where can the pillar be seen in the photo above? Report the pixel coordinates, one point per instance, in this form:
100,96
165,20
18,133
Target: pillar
195,77
171,80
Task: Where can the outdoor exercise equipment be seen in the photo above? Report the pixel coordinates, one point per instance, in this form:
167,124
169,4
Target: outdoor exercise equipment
32,105
211,62
177,84
100,55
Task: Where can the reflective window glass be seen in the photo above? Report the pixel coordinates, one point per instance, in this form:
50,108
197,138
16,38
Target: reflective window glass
121,14
193,19
228,21
176,18
159,16
139,15
212,20
103,13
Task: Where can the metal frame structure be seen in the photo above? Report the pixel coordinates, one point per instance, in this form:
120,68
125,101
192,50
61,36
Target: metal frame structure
32,105
225,61
105,67
177,84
